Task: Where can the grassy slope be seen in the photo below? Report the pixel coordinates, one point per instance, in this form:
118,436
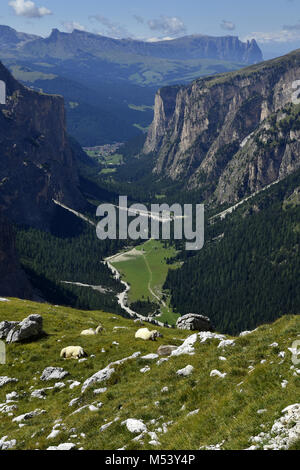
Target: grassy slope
228,411
149,270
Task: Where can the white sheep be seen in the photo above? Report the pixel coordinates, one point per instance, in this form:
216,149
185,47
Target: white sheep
73,352
92,332
145,334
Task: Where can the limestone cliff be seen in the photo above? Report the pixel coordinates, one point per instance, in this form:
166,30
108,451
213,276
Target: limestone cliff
37,162
229,134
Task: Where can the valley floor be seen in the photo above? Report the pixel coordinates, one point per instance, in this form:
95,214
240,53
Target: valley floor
145,269
233,391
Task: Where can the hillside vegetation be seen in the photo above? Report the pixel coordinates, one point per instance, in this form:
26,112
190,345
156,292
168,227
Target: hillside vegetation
179,412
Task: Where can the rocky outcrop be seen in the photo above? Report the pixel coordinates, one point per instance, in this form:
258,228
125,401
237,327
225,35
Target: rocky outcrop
194,322
30,328
13,282
53,373
232,134
37,162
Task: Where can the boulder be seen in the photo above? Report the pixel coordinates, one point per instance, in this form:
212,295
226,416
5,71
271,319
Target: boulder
194,322
5,328
15,332
166,350
186,372
53,373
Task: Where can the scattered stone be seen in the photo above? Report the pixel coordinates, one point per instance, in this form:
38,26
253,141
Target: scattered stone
74,401
145,370
225,343
100,390
74,385
274,345
188,370
217,373
284,383
205,335
166,350
59,385
106,426
284,433
187,347
135,426
54,433
165,390
150,357
6,380
106,373
11,396
40,394
213,447
66,446
261,412
30,415
193,413
6,445
194,322
53,373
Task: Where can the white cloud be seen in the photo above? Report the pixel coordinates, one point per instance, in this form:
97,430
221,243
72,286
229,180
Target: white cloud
111,29
228,25
286,34
167,38
29,9
71,25
168,25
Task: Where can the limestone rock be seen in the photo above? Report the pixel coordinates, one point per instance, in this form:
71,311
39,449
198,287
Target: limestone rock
188,370
166,350
135,426
53,373
194,322
29,328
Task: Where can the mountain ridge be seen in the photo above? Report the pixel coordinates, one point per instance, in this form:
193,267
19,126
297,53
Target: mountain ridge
183,48
207,131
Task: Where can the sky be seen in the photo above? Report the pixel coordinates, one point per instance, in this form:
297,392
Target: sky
275,24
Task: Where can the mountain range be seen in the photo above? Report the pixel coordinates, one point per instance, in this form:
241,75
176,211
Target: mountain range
109,84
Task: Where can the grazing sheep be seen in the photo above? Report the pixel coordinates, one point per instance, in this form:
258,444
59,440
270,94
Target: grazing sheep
92,332
146,334
73,352
89,332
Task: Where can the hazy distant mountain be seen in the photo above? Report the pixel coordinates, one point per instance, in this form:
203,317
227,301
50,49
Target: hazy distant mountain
109,84
11,39
66,45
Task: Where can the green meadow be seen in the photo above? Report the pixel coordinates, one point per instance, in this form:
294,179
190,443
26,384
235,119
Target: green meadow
223,410
146,274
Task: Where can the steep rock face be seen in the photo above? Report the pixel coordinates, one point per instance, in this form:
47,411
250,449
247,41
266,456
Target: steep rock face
37,163
223,134
13,282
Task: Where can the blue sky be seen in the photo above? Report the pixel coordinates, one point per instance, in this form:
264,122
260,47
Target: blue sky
275,24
